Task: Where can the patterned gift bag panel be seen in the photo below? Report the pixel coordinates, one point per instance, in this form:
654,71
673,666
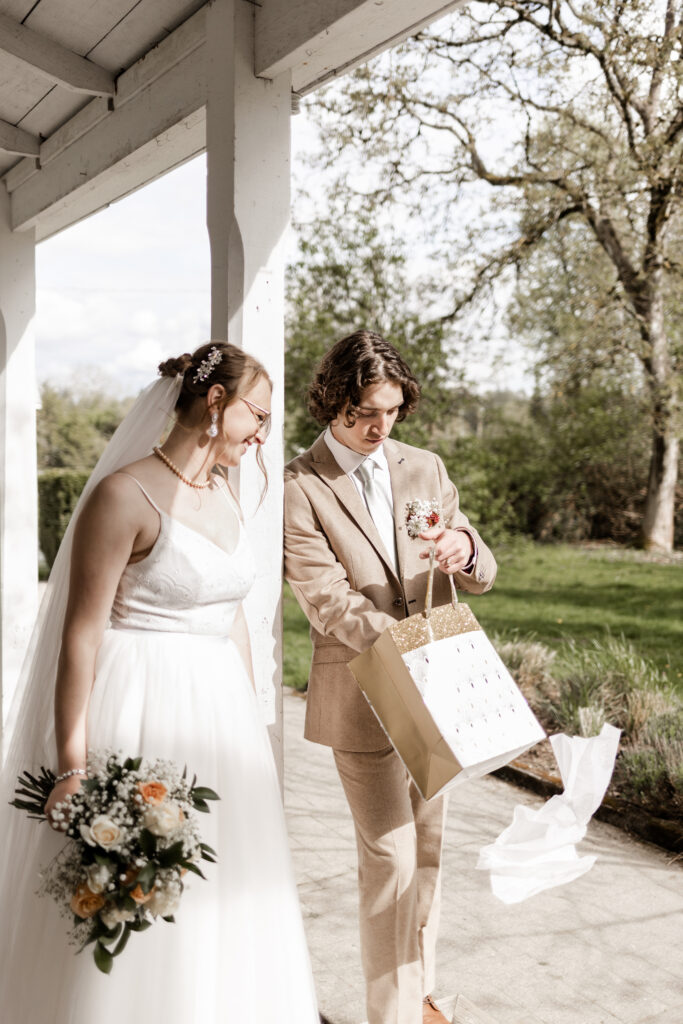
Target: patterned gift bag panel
472,697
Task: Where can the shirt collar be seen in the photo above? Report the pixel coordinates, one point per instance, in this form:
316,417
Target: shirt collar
347,459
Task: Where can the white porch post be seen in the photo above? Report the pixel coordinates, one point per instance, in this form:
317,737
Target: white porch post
18,487
248,151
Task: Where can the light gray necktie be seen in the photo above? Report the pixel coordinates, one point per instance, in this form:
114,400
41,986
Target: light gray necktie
379,508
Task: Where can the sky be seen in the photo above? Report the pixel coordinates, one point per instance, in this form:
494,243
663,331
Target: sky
126,287
129,286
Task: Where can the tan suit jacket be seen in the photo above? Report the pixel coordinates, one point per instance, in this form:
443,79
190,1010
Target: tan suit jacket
344,581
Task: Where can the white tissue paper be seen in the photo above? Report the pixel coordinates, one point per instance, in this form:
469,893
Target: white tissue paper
538,850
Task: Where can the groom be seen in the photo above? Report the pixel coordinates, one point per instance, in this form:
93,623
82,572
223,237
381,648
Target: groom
354,570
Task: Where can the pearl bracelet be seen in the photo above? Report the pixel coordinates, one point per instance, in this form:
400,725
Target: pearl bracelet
67,775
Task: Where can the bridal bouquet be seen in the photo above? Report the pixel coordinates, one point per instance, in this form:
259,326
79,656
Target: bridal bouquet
132,836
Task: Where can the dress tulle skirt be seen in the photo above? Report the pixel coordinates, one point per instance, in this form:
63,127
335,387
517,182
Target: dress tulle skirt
237,952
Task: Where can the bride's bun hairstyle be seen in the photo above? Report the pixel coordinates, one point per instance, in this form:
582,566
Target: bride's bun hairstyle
216,362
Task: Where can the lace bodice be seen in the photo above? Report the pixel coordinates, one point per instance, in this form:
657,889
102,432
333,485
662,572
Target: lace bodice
186,584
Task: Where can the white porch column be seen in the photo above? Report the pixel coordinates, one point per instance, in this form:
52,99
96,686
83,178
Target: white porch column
18,487
248,151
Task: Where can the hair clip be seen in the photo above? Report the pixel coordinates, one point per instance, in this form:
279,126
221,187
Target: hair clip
207,365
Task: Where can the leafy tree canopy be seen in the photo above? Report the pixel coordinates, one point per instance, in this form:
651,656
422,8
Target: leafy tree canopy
514,129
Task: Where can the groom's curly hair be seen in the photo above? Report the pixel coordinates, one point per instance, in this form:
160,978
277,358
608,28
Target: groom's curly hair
355,363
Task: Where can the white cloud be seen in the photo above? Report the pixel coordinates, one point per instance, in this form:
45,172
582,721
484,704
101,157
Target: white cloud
127,287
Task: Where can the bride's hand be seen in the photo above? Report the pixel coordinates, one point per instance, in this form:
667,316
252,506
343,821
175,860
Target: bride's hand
59,799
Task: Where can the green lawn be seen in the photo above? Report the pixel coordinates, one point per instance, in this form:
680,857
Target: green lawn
560,592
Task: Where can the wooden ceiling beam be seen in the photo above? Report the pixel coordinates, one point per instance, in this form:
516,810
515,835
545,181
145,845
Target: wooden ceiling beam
53,61
16,140
325,39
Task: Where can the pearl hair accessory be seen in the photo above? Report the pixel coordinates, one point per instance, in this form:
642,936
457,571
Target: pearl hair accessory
207,365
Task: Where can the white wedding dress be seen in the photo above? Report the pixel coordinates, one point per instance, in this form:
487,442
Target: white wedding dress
170,683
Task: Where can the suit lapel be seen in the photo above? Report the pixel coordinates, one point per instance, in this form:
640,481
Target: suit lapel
401,492
331,473
404,470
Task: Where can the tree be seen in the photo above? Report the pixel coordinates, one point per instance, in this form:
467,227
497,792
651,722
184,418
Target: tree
551,116
348,279
74,426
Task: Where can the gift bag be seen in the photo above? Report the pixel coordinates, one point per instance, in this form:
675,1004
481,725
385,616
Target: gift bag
450,708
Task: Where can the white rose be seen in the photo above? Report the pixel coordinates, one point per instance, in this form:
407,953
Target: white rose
114,915
102,832
164,818
98,876
164,902
86,834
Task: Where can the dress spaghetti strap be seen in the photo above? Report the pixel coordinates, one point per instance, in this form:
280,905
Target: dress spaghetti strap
232,501
149,499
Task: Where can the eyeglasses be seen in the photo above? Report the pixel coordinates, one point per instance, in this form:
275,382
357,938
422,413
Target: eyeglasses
263,418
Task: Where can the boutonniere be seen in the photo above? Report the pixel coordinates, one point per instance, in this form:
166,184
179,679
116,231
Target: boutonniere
422,515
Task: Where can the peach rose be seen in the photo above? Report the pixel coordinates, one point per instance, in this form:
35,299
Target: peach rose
152,792
136,893
129,876
85,903
139,896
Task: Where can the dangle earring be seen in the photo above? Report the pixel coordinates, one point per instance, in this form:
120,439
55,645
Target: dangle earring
213,429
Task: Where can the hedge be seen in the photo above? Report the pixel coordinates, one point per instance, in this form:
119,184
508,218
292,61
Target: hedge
58,492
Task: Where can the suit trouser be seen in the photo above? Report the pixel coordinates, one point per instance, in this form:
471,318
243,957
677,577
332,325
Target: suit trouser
399,838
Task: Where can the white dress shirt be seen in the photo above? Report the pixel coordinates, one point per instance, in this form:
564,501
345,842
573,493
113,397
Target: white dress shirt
349,461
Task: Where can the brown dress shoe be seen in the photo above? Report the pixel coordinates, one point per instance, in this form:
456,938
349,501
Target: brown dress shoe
431,1014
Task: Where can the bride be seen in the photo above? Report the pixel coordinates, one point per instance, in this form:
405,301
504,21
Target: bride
155,661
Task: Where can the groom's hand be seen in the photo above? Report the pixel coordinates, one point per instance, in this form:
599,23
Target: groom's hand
454,549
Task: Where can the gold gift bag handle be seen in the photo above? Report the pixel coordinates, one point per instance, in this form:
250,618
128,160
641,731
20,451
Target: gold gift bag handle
430,586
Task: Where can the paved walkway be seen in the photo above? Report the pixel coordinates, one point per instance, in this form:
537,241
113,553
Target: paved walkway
605,949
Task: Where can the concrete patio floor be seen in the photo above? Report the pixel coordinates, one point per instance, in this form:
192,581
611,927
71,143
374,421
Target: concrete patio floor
605,949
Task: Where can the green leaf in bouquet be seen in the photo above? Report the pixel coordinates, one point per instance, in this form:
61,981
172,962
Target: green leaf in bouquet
170,918
103,958
141,924
108,935
204,793
205,848
193,867
128,903
170,856
148,842
123,941
107,862
209,857
146,877
200,805
131,764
